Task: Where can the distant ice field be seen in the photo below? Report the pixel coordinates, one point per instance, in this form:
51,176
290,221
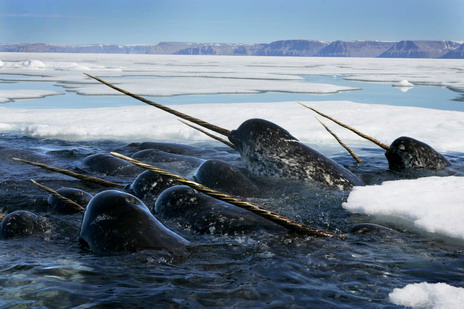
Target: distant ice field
213,79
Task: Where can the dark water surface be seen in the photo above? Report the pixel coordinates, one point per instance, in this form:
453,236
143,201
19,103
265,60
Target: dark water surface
256,270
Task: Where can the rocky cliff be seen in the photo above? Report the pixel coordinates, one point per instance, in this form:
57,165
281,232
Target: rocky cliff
302,48
457,53
420,49
355,49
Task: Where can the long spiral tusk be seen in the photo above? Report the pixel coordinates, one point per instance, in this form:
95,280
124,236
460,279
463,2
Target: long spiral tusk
96,180
351,152
276,218
380,144
165,108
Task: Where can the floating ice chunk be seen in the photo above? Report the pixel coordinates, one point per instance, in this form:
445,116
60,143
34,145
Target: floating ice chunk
34,64
5,127
433,204
403,83
1,63
427,295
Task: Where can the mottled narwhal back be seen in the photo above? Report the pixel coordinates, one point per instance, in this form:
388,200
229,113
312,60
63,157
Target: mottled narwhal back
406,152
269,150
206,215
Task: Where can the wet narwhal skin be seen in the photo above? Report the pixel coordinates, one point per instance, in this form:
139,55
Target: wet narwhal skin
148,185
206,215
111,166
406,152
116,221
372,229
76,195
21,223
269,150
175,162
221,176
172,148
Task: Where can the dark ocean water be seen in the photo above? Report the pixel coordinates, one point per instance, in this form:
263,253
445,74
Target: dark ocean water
253,270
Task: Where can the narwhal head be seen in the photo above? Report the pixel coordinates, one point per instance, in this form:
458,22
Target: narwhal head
406,152
259,133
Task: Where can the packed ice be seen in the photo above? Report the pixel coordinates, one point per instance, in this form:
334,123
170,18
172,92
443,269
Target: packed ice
428,295
431,204
24,94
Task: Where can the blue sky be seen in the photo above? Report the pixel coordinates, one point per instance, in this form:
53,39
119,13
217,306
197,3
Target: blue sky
232,21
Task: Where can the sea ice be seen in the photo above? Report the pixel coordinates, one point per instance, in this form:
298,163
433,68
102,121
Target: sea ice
24,94
432,204
174,75
200,85
34,64
441,129
428,296
443,72
403,83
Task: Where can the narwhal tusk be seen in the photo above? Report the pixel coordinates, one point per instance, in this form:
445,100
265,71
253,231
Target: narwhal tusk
380,144
351,152
209,134
200,122
96,180
276,218
59,196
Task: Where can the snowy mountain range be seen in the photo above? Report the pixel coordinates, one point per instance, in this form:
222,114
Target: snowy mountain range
301,48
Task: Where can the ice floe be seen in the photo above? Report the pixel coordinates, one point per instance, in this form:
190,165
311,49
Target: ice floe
34,64
443,72
25,94
431,204
403,83
428,296
440,129
199,85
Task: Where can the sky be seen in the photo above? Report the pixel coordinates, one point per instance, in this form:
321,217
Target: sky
227,21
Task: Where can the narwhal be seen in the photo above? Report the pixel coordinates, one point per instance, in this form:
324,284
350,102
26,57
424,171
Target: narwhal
404,153
269,150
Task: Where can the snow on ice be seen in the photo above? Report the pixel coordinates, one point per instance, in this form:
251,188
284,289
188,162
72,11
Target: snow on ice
430,296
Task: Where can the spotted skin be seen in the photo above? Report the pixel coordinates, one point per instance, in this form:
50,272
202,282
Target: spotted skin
406,152
269,150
